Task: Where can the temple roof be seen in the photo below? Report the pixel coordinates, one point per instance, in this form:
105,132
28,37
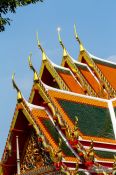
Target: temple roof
71,113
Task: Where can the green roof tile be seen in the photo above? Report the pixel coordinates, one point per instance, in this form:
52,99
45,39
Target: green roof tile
115,111
105,154
55,135
93,120
81,173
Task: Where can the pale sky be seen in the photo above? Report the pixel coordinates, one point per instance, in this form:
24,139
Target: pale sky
96,26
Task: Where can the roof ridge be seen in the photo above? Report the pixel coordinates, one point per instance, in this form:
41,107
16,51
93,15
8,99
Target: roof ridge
76,94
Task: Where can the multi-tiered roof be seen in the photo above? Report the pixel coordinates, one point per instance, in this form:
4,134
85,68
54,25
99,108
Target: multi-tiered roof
68,126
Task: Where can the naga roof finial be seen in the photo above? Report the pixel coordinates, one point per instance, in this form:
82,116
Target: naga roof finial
77,38
32,68
19,95
61,43
44,56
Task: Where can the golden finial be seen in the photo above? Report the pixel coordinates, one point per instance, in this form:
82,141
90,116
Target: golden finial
76,169
32,68
92,144
44,56
76,123
61,43
19,95
76,119
76,131
77,38
65,170
90,152
60,142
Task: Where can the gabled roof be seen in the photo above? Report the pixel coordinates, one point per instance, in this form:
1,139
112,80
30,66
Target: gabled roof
51,112
69,62
61,77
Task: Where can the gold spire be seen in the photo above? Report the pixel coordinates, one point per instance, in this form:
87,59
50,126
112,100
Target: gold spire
61,43
44,56
77,38
32,68
19,95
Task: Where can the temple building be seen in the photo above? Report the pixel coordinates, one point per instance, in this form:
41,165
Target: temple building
68,125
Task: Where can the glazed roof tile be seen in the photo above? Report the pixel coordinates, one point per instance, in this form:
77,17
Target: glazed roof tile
89,76
96,113
106,67
52,136
94,119
70,80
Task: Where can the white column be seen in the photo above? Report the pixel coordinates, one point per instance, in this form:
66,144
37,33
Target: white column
18,157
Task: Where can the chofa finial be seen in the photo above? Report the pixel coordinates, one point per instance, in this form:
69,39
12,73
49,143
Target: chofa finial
77,38
61,43
30,62
32,68
44,56
19,95
59,37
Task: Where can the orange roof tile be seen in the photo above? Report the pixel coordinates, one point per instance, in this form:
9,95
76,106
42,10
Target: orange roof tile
114,103
108,71
71,83
91,80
